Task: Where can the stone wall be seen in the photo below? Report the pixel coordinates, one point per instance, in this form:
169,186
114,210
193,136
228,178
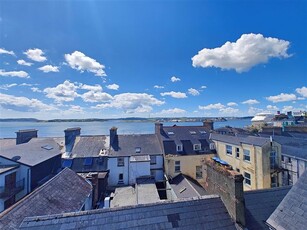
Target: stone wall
228,184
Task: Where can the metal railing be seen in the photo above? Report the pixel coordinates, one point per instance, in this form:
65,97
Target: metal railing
12,189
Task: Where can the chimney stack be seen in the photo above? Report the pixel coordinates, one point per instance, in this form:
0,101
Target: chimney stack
24,136
113,138
228,184
70,137
158,128
208,124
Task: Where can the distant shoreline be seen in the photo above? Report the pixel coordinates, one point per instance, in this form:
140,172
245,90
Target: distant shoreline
131,119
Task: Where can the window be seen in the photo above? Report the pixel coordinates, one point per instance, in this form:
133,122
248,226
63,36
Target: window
192,132
237,153
212,146
289,160
282,158
153,160
228,149
177,166
197,147
137,149
120,161
199,172
121,178
247,178
88,161
170,133
67,163
202,132
246,155
179,148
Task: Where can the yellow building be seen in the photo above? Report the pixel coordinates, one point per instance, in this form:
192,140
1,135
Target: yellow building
258,159
184,148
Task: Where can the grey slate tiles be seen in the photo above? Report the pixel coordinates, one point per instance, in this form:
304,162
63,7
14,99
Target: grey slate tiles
195,213
66,192
291,213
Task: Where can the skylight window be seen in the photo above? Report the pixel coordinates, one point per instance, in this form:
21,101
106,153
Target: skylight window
47,147
202,132
170,133
137,149
192,132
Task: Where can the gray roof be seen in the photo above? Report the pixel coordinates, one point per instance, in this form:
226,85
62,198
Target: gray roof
126,145
89,146
187,136
260,204
238,140
66,192
204,213
34,152
291,213
185,187
294,147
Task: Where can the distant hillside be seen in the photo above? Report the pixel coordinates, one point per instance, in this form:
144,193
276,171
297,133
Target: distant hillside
19,120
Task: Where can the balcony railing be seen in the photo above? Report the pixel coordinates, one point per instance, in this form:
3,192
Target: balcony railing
10,190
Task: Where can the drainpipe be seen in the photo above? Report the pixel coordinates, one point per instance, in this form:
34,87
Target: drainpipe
256,169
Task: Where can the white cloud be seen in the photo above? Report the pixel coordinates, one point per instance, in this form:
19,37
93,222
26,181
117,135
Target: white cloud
212,106
171,111
174,94
272,108
193,92
287,108
79,61
35,55
76,109
228,111
113,87
251,102
203,87
302,91
26,84
159,87
91,87
23,103
36,90
62,92
174,79
253,111
132,102
7,86
232,104
23,62
21,74
4,51
49,68
96,96
248,51
282,98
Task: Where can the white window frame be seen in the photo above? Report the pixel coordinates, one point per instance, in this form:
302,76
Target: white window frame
177,166
120,162
245,155
228,151
197,147
247,179
212,146
153,160
179,148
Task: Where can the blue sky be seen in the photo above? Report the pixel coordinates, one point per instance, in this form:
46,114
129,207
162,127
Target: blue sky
107,59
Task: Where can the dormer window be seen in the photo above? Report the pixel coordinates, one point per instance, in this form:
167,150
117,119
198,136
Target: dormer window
170,133
179,148
192,132
197,147
137,149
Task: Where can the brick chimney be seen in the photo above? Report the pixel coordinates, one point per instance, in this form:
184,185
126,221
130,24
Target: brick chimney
158,128
208,124
24,136
228,184
70,137
113,138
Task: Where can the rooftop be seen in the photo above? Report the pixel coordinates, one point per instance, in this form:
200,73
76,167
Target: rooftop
260,204
55,196
36,151
132,145
291,213
207,212
7,168
238,140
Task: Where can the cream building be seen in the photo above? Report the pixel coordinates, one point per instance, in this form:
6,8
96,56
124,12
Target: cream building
258,159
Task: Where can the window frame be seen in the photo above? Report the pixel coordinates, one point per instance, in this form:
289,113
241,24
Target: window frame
199,174
177,167
120,162
247,178
227,149
246,155
179,148
153,160
237,152
197,149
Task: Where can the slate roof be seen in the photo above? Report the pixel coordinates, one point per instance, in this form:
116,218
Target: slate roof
34,152
66,192
291,213
196,213
238,140
231,131
89,146
125,145
187,136
185,187
260,204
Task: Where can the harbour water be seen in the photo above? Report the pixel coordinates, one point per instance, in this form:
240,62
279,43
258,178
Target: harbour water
56,129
